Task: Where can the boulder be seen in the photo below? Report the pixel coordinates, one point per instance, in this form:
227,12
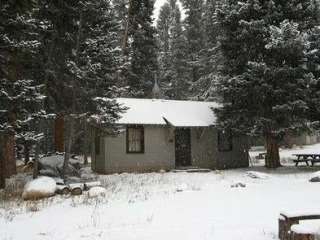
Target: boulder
42,187
315,177
52,166
97,192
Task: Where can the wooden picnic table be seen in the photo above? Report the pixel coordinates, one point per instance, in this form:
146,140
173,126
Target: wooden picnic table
286,220
306,158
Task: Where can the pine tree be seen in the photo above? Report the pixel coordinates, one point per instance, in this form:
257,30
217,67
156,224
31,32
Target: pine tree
164,25
84,65
143,47
265,87
173,68
194,32
209,57
21,100
313,65
178,88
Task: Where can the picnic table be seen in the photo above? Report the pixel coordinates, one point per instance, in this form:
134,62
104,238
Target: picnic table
306,158
287,220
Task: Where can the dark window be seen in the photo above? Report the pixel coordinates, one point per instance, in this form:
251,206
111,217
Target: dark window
224,141
97,144
135,139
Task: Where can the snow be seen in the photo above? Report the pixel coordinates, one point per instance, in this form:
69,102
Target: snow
307,227
254,174
163,112
41,187
97,192
148,206
295,213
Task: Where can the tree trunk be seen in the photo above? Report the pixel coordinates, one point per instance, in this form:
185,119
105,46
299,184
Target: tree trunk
36,161
26,153
68,147
272,159
2,178
7,157
59,133
70,138
85,147
126,31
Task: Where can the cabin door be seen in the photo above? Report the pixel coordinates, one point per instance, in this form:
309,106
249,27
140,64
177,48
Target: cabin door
183,147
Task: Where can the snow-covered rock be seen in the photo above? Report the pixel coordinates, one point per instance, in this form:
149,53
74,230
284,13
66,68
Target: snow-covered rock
315,177
182,187
239,184
97,192
88,185
41,187
86,174
52,166
258,175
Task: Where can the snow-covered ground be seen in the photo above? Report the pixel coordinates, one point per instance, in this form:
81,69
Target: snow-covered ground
171,206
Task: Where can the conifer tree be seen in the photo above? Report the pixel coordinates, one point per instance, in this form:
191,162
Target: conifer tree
194,31
164,25
86,57
143,63
313,65
179,86
265,87
173,68
204,87
21,95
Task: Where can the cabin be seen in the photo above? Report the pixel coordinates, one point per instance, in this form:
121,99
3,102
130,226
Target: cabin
156,134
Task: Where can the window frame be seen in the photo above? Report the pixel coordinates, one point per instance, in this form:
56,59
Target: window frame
141,128
228,135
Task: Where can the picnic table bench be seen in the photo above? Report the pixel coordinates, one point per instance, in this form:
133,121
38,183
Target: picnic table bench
287,220
306,158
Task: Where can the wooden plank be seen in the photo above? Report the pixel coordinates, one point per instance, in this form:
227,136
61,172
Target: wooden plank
301,217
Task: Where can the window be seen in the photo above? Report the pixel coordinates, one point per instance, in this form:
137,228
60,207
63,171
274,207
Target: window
224,141
135,139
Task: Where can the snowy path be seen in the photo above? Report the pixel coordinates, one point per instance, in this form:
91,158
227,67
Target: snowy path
172,206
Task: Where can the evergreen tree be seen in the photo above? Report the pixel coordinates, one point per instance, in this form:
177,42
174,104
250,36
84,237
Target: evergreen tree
313,65
209,57
143,46
20,91
84,64
173,66
194,32
178,88
265,87
164,25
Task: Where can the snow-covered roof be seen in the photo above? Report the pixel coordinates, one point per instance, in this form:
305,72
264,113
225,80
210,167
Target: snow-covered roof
164,112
